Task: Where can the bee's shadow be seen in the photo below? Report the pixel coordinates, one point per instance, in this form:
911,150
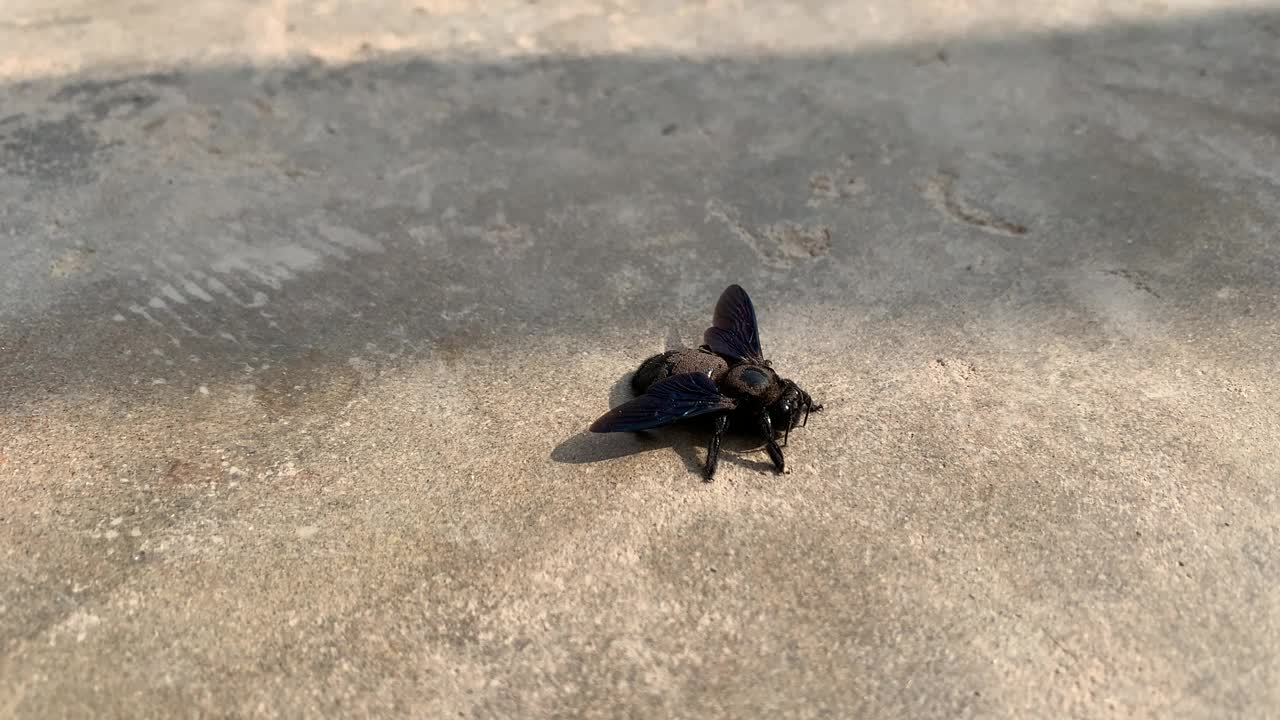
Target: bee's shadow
688,440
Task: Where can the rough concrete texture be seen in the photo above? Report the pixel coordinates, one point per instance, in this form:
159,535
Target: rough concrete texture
305,306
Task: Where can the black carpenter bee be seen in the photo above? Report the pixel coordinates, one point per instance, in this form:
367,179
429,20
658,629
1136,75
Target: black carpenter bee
727,379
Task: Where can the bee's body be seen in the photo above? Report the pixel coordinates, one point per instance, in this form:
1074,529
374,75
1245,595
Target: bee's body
727,378
677,362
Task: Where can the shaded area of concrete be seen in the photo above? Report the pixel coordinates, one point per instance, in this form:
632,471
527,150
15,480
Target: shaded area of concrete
295,364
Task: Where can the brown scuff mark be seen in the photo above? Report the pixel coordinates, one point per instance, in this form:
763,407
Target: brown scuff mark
779,245
943,370
833,186
181,472
800,242
1135,278
314,384
71,262
940,190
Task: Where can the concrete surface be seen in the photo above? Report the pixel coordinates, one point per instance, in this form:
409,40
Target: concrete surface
304,308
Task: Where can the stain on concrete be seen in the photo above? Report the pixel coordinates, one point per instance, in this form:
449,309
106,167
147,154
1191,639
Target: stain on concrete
312,384
74,261
51,151
1138,279
826,186
940,191
777,245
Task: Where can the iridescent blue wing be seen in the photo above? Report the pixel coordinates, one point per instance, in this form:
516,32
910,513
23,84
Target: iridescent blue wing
733,332
666,401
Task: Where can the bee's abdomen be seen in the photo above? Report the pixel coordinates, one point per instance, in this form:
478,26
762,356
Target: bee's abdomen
676,362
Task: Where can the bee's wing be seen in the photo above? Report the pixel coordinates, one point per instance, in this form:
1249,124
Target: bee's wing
733,332
666,401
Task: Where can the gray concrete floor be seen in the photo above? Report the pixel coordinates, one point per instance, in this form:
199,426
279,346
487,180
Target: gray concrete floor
305,307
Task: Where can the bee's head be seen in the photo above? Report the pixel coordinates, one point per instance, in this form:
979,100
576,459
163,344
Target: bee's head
792,406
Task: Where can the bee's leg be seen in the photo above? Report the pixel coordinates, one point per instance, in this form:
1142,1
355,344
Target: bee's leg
771,443
713,450
809,406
